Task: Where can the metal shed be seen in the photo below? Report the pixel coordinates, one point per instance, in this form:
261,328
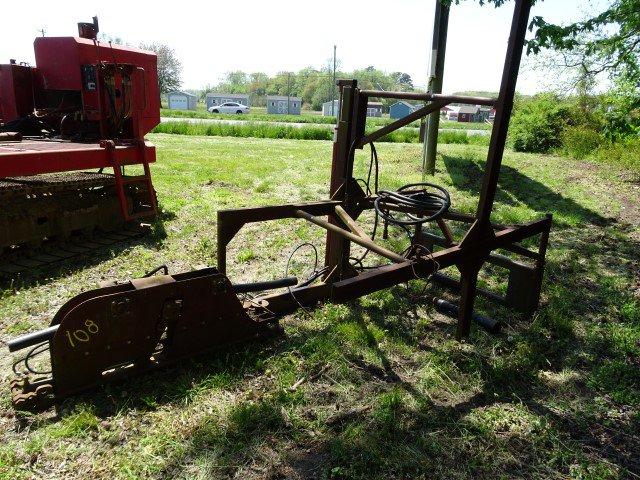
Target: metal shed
214,98
328,112
182,101
401,109
277,104
374,109
468,113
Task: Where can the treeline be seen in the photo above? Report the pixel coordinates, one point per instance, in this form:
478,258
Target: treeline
314,86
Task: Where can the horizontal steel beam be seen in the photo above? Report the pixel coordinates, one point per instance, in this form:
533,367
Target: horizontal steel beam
389,275
430,97
421,112
34,338
363,242
491,325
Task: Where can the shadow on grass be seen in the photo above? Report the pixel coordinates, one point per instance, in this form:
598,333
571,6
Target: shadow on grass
514,187
153,237
577,432
406,431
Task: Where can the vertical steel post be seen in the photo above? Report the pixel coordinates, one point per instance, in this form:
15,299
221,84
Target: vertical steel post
468,285
503,107
336,246
482,226
439,45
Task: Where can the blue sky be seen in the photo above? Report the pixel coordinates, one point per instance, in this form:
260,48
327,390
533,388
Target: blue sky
214,37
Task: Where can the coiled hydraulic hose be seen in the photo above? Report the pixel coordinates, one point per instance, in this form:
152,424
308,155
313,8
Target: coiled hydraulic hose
424,197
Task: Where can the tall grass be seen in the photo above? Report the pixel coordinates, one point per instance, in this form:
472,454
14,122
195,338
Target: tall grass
267,130
249,129
625,153
257,117
583,143
308,118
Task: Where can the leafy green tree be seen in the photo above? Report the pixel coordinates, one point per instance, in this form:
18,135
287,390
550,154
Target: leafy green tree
314,86
257,87
234,82
169,67
403,81
607,43
621,107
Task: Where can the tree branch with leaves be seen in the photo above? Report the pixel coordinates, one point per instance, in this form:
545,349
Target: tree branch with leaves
169,67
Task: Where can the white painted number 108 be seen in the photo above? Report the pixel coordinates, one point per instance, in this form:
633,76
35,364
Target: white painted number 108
82,334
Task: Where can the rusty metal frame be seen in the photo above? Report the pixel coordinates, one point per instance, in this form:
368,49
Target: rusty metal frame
123,329
348,201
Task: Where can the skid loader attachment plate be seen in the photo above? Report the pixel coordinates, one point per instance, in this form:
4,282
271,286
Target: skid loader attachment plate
124,329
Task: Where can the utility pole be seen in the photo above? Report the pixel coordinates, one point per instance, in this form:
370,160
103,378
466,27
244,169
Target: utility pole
42,31
439,44
288,91
333,84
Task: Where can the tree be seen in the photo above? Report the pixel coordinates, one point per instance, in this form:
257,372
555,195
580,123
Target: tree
607,43
169,67
235,82
102,37
403,80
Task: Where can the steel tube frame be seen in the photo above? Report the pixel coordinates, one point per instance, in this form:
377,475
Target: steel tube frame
343,282
421,112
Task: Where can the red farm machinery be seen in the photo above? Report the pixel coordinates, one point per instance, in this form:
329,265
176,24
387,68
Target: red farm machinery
68,128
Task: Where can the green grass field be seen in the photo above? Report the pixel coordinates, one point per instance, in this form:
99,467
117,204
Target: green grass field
388,392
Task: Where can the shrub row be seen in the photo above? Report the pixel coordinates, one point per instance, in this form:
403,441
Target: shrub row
598,130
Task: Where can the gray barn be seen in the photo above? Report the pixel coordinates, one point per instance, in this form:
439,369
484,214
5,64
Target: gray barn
277,104
374,109
214,98
182,101
327,111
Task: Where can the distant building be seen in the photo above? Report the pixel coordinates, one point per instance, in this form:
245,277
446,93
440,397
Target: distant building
444,111
182,101
214,98
401,109
326,109
374,109
468,113
485,114
277,104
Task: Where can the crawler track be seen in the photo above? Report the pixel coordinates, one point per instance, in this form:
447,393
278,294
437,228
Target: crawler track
51,253
50,218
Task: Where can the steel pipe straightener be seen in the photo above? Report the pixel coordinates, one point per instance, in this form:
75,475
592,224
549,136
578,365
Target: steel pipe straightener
124,329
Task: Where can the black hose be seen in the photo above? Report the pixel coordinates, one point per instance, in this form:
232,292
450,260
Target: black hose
416,197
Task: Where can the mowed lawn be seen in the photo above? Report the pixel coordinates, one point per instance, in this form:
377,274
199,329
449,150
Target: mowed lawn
387,391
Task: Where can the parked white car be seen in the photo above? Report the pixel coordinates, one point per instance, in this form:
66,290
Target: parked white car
229,107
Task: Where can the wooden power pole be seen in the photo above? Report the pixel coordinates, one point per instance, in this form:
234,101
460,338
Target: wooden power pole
439,44
333,83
